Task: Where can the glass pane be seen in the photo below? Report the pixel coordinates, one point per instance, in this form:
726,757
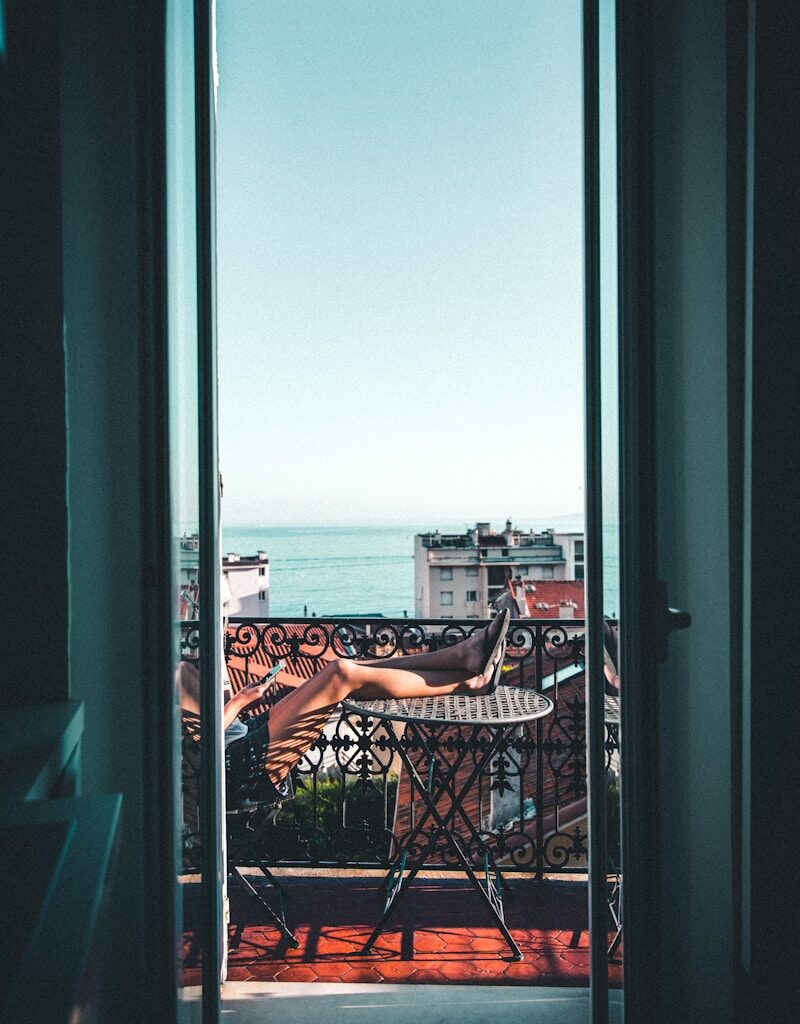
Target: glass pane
609,403
400,311
183,405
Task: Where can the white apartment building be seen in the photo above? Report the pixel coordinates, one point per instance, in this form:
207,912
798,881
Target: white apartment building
244,586
459,575
248,582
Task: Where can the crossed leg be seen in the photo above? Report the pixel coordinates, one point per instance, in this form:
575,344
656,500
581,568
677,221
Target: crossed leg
297,719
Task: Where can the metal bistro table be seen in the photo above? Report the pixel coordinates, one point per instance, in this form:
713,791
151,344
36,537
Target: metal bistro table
425,719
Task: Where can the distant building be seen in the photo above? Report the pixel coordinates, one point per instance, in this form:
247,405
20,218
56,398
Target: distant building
460,575
190,559
248,580
244,585
189,555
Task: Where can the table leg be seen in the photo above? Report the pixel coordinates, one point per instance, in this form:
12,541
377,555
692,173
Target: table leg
397,883
491,895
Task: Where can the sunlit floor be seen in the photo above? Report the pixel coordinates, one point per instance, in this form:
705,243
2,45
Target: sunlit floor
440,935
330,1003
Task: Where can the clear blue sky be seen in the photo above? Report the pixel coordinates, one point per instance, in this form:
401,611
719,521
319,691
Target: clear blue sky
400,260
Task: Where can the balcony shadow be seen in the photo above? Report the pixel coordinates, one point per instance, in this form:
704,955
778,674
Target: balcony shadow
440,933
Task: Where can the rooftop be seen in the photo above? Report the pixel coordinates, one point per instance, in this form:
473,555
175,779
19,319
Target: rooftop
232,559
542,599
482,536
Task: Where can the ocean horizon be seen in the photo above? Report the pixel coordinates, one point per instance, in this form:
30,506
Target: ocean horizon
353,569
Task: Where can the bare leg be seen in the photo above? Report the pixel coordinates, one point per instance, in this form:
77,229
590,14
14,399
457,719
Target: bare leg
469,654
297,719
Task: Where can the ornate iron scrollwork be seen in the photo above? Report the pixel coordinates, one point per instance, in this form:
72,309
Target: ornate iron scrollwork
530,797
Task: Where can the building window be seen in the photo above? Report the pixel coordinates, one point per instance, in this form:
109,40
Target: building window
472,570
472,595
484,552
504,552
262,595
446,574
446,597
547,572
262,571
578,572
579,549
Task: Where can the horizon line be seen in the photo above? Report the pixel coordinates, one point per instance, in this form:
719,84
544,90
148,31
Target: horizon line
449,526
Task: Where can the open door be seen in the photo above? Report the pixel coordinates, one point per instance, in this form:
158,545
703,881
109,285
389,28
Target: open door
603,698
674,68
194,486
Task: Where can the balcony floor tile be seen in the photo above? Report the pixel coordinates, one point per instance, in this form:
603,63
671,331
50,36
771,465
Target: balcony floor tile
440,934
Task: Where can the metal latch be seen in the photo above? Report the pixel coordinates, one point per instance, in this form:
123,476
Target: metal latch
667,619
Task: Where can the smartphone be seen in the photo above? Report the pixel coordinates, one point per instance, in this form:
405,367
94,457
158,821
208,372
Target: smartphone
279,665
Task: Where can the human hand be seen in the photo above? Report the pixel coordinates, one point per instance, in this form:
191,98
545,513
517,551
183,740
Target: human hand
255,692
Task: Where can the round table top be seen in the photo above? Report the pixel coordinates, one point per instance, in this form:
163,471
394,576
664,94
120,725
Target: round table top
508,705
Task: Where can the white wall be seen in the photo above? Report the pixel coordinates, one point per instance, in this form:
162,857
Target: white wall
245,585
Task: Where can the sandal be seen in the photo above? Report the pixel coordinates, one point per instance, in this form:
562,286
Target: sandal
494,662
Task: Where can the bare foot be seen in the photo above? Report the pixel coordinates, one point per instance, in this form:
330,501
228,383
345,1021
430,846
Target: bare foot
475,685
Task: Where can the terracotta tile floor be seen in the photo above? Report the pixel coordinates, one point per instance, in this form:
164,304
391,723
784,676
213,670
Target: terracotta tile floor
440,933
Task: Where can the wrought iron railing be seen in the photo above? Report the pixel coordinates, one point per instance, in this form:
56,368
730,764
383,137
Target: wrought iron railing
352,808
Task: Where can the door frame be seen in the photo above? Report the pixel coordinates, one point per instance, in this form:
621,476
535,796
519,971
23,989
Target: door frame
211,794
593,462
638,638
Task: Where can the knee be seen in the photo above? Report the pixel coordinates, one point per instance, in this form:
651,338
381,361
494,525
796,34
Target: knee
346,675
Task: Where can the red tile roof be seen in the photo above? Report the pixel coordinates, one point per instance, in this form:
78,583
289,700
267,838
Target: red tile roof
544,599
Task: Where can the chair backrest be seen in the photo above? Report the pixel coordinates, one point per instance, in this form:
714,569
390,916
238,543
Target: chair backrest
246,780
250,797
190,790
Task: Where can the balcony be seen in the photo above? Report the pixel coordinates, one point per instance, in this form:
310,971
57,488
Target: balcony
331,845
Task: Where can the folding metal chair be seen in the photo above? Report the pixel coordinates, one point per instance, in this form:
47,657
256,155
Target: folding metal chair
252,807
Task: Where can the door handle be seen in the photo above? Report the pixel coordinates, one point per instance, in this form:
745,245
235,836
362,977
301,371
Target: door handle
667,619
676,619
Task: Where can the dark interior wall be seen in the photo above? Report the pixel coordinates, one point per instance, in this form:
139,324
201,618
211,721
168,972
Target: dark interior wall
101,282
103,269
33,537
691,423
771,947
80,124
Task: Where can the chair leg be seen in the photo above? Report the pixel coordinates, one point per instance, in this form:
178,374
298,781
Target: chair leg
235,940
192,957
614,907
279,918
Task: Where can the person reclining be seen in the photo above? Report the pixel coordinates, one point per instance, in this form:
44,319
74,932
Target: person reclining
289,728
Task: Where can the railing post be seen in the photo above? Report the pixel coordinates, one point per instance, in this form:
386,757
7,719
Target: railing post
538,680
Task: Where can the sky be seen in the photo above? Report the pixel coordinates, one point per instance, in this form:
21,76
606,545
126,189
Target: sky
399,217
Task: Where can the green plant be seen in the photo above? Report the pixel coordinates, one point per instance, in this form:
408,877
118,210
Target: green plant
340,821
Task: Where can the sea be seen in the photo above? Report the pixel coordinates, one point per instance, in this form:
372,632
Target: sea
356,570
